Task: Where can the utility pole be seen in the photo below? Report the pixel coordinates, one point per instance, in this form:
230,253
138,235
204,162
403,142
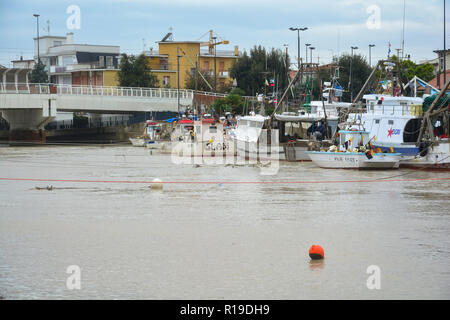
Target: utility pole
215,73
399,70
445,52
370,54
351,75
306,51
311,77
178,82
39,60
195,76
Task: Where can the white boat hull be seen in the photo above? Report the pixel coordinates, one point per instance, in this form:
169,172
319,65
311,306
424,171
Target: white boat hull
252,151
137,142
437,157
353,160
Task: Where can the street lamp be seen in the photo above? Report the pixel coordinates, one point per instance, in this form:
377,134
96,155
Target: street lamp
298,41
215,75
286,50
307,45
311,73
178,80
350,83
37,28
370,54
311,48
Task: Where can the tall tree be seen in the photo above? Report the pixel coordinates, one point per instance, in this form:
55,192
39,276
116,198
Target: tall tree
135,72
251,73
197,82
361,71
39,75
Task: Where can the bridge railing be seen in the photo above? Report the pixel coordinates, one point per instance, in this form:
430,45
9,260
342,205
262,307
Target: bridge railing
41,88
44,88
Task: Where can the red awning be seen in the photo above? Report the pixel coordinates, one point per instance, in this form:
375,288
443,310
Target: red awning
210,121
186,121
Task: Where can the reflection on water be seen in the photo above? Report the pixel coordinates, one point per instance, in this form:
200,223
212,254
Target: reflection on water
316,265
218,240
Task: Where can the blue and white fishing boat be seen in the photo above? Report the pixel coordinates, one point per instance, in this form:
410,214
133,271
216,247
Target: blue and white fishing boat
391,122
354,151
394,124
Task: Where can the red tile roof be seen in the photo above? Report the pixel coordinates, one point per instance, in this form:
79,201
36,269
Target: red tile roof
434,81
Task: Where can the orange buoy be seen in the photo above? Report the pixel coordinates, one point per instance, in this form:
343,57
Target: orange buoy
316,252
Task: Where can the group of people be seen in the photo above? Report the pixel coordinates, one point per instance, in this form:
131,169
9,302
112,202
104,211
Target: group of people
320,131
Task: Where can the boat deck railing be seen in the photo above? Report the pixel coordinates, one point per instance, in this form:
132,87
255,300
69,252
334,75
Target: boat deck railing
399,110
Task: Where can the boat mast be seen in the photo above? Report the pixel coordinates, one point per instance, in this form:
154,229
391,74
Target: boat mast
426,121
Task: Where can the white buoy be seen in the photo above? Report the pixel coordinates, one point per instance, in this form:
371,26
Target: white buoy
156,185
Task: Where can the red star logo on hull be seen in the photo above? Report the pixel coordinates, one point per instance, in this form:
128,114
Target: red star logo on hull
390,132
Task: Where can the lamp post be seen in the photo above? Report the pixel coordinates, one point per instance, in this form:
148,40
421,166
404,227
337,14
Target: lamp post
311,48
307,45
37,28
445,52
215,75
298,42
178,81
370,54
311,72
350,84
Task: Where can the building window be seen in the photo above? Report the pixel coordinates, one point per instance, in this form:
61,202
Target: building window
166,80
205,66
109,62
221,66
67,60
57,43
101,61
391,122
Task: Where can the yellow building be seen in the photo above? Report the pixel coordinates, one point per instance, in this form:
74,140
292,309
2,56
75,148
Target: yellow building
164,63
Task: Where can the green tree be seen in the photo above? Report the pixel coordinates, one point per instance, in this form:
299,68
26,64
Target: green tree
233,103
361,71
39,75
135,72
250,71
408,69
197,82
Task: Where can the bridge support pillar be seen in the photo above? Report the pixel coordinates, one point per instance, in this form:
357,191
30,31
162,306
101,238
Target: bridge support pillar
19,136
26,126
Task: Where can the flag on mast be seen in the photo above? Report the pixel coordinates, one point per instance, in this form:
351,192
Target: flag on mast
389,51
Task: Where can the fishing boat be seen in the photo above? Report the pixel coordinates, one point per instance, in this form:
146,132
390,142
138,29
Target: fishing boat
391,122
291,134
153,131
150,134
203,137
395,123
354,152
288,135
137,142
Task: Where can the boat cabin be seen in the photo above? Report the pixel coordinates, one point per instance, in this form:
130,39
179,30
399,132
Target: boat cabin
153,130
351,139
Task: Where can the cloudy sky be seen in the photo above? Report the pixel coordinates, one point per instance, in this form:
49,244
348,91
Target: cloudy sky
333,26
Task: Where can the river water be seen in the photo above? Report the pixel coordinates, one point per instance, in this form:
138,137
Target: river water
215,240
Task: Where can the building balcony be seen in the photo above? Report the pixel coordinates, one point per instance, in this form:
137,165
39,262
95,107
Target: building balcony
224,74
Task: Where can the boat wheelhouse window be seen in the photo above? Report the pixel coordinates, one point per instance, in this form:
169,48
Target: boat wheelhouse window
242,122
377,121
213,129
391,122
253,124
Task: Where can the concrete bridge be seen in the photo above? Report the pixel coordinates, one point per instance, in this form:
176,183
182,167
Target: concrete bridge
29,107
